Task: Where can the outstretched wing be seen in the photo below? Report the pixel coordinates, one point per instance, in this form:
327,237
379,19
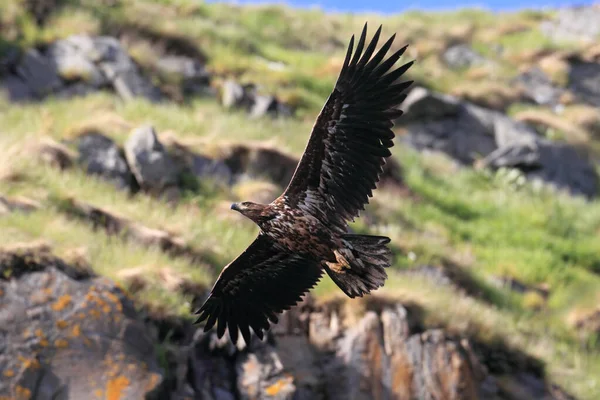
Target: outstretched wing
351,137
255,287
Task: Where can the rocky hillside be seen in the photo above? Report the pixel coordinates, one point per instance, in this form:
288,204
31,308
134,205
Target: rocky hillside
128,127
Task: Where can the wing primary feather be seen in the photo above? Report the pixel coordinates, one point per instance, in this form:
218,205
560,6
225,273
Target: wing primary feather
387,64
348,55
233,331
222,325
369,51
358,51
390,77
380,54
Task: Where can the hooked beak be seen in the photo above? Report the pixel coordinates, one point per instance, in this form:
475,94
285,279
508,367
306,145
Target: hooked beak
236,207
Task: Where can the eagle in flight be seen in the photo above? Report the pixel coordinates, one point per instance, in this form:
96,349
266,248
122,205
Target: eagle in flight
304,231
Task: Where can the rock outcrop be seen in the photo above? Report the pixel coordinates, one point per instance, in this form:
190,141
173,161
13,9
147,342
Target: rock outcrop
151,164
574,23
77,65
100,156
65,329
327,352
65,333
469,133
246,97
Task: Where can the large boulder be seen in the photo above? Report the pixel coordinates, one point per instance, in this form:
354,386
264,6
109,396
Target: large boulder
469,133
461,56
246,97
189,73
574,24
112,61
102,157
39,73
66,333
381,353
379,358
74,66
537,87
584,80
152,166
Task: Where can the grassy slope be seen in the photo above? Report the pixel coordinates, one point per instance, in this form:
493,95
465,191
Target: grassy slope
484,223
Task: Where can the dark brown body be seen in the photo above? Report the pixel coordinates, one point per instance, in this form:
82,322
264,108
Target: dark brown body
293,229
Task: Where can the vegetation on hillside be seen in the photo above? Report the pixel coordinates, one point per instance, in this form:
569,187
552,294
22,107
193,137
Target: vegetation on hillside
489,226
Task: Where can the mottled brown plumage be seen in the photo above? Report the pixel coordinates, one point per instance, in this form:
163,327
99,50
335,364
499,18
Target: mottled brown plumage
304,231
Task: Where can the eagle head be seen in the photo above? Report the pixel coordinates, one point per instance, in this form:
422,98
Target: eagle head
258,213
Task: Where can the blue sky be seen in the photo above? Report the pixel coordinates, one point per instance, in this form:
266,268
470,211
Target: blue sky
389,6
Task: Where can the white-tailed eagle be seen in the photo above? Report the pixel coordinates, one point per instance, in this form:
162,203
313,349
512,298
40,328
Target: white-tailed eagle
304,231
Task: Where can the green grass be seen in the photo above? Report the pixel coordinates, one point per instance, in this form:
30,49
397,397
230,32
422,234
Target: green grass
486,224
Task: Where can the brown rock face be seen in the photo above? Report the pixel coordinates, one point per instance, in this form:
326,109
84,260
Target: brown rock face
380,359
67,334
323,352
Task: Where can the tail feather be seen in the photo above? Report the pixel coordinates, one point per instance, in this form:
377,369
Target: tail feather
361,263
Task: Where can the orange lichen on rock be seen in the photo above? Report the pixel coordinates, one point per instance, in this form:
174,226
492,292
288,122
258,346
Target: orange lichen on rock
98,393
115,388
61,343
153,382
44,343
39,333
275,388
95,313
29,362
9,373
62,324
62,302
76,331
23,393
113,298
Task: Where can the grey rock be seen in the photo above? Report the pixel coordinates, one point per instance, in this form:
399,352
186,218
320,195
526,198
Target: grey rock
16,89
574,23
9,57
468,133
189,73
380,358
130,84
102,157
556,164
203,167
461,56
263,105
235,96
232,94
72,61
260,375
584,81
182,66
67,333
200,165
149,161
102,61
441,122
538,88
39,73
